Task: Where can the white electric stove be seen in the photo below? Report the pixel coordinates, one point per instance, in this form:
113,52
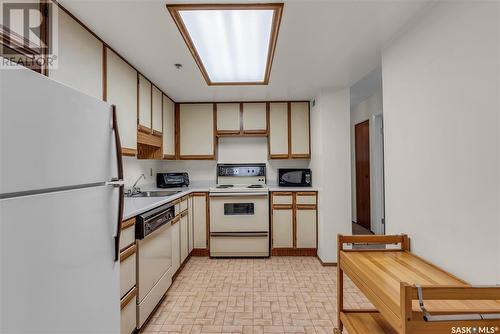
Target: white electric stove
239,212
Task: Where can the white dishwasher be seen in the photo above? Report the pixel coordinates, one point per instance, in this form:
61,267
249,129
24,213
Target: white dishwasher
154,259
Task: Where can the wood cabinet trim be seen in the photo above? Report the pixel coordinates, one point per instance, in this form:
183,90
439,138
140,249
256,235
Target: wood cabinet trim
306,193
127,223
143,128
131,250
282,193
128,297
148,139
306,206
282,206
129,152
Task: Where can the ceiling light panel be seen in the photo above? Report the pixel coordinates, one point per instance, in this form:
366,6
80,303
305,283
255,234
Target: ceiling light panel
232,44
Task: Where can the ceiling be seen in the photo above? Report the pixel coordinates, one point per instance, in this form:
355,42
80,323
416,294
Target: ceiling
321,44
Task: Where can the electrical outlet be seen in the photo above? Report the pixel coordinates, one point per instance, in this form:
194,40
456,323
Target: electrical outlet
151,171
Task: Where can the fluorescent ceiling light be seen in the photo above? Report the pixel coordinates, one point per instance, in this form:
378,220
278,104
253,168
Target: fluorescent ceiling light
232,44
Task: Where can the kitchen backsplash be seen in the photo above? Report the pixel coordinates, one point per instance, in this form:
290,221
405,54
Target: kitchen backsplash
230,150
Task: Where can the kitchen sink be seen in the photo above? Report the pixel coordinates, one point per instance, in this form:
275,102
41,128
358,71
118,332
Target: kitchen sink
158,193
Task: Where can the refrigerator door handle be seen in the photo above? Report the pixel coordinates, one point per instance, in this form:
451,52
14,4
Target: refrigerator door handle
118,182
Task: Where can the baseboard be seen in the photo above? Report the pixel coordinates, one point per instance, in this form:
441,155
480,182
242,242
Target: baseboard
294,252
200,252
327,264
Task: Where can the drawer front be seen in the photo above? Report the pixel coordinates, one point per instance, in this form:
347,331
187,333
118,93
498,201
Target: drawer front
306,198
177,207
282,198
127,270
127,236
148,304
183,204
128,316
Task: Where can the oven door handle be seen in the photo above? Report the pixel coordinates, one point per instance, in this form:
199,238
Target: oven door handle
239,234
247,194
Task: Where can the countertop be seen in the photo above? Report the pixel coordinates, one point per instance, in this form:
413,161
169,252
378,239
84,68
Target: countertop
136,205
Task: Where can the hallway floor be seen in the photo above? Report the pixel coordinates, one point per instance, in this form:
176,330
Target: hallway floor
275,295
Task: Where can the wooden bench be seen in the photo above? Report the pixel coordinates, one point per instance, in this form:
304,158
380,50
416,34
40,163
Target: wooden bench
410,295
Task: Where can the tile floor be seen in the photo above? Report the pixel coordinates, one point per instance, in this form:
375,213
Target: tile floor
275,295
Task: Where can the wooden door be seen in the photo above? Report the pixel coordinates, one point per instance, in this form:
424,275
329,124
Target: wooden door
362,147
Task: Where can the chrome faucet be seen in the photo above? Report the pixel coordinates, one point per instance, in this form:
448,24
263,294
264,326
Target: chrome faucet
135,190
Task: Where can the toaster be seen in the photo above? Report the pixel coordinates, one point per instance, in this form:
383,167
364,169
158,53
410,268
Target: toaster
172,180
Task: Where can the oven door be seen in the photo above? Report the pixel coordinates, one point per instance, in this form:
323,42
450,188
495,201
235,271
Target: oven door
239,212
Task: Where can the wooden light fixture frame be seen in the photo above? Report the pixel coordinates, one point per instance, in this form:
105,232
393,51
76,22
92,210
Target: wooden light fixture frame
277,8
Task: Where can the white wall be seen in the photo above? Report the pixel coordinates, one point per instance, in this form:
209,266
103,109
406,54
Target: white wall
330,161
442,143
363,111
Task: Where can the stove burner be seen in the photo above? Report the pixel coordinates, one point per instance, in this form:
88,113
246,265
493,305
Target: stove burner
224,186
255,186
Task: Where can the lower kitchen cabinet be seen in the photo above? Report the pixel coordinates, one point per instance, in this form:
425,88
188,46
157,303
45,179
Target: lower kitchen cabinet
190,225
306,227
294,222
282,220
183,236
200,220
127,269
176,247
128,312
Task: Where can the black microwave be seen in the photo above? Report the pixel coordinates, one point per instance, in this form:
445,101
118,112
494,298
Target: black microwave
294,177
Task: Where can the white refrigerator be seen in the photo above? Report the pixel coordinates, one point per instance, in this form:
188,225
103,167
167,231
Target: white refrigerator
61,201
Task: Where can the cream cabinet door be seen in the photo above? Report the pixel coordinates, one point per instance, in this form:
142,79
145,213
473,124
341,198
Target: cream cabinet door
299,113
121,88
144,102
79,57
184,237
156,110
306,228
228,117
282,228
278,130
128,317
200,221
254,118
168,128
197,131
176,245
190,225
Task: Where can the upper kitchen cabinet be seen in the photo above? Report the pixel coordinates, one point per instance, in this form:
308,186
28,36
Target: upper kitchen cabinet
278,131
144,112
228,118
254,118
121,90
299,126
168,128
196,131
156,111
289,131
80,57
